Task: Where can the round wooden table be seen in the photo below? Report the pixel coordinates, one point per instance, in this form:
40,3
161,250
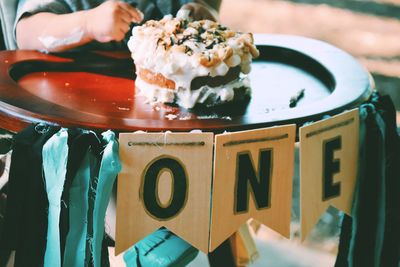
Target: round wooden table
97,90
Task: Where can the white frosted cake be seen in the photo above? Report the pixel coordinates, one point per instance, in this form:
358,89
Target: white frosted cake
191,62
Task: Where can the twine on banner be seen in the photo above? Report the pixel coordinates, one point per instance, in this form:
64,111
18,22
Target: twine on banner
258,140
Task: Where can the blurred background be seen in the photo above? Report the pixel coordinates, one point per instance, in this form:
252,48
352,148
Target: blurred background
367,29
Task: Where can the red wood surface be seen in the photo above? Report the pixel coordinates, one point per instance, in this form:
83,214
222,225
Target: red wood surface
13,118
73,97
80,99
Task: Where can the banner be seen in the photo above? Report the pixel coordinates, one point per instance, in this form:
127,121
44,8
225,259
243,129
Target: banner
253,173
328,166
165,181
170,179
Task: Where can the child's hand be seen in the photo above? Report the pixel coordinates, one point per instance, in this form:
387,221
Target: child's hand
200,10
111,20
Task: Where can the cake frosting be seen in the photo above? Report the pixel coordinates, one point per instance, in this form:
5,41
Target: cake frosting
177,60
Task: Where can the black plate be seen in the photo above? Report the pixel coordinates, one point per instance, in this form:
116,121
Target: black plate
332,80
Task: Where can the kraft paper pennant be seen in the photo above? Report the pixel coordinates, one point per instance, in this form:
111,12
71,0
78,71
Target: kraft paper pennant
253,173
328,166
165,181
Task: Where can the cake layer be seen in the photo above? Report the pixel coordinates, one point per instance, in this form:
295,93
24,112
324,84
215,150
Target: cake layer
155,78
161,81
209,96
216,81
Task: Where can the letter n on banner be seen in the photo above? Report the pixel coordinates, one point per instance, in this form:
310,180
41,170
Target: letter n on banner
165,181
328,166
253,173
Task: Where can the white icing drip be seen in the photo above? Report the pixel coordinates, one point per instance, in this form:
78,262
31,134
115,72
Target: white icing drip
188,98
175,64
154,93
51,42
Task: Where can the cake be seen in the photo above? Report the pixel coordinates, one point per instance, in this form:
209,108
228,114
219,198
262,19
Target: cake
191,63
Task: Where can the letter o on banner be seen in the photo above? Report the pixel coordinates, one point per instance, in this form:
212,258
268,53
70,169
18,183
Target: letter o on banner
149,188
165,182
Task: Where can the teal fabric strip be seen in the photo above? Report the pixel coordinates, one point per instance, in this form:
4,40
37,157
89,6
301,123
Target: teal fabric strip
130,257
75,247
160,249
55,154
109,168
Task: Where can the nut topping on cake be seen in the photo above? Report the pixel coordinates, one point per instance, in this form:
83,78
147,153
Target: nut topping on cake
180,50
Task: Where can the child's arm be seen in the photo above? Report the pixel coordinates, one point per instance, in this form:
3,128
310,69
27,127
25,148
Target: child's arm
109,21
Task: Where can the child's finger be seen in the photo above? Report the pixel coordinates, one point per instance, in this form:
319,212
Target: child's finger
136,15
119,35
125,16
124,27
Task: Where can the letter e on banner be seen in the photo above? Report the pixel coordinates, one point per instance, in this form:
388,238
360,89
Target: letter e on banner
328,166
253,173
165,181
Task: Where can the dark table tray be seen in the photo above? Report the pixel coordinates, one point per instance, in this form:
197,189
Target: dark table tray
96,90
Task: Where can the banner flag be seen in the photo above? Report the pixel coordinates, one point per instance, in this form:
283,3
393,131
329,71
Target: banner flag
165,181
253,173
328,166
